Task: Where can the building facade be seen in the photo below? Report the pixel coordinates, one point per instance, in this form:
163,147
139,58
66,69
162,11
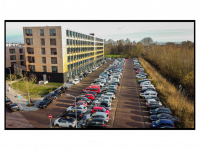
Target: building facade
60,54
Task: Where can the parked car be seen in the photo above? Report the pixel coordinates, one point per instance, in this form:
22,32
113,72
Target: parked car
139,76
80,103
100,109
81,77
68,122
148,89
90,71
152,97
160,110
153,105
92,92
148,101
56,94
81,108
90,96
85,74
94,123
148,93
13,107
75,81
163,116
110,94
73,113
106,105
82,98
143,80
8,102
162,122
45,102
99,115
64,89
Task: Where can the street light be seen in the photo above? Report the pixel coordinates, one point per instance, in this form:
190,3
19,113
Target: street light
75,106
10,77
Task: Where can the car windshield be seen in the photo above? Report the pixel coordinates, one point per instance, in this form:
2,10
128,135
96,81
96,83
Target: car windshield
157,122
159,115
156,109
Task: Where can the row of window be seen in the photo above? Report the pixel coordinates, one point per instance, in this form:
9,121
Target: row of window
29,41
32,60
13,57
78,42
54,69
99,52
99,44
53,51
12,51
52,32
99,48
78,57
77,64
99,56
79,35
79,50
98,39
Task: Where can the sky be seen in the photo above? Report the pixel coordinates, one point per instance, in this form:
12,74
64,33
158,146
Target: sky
135,31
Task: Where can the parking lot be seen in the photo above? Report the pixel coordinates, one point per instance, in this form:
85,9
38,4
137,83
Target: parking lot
39,118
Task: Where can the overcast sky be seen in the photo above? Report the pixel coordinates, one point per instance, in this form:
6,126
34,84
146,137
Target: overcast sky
135,31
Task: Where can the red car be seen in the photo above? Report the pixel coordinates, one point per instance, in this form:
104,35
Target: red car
80,103
100,109
86,90
90,96
95,88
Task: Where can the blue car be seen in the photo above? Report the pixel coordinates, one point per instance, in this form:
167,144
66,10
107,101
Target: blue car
162,123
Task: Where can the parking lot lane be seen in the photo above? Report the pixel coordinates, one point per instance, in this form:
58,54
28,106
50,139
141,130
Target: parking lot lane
39,118
128,112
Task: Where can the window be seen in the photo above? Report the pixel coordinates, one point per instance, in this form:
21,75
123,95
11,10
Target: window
12,64
52,32
30,50
41,32
42,41
43,51
53,60
28,32
31,59
67,33
44,60
22,63
12,57
53,51
31,68
21,57
52,41
20,50
54,69
44,69
12,51
29,41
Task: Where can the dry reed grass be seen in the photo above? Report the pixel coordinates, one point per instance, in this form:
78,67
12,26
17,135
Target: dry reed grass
178,104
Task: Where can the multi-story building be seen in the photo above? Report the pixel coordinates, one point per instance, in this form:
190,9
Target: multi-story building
60,54
14,55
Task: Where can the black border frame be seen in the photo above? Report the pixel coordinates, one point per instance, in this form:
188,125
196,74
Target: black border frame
194,21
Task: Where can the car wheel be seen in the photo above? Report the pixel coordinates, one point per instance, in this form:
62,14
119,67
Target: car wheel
44,107
70,126
57,125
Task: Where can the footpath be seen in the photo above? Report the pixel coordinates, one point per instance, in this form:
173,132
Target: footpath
23,102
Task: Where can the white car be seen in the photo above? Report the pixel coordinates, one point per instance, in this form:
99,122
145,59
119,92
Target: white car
81,108
110,94
152,100
145,84
145,87
75,81
140,76
107,98
69,122
89,71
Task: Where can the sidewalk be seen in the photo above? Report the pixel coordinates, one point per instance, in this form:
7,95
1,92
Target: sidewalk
22,102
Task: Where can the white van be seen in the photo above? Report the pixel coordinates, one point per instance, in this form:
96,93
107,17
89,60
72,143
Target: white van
148,93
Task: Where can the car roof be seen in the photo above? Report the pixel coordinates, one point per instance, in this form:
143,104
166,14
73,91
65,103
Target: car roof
89,94
164,108
97,107
100,113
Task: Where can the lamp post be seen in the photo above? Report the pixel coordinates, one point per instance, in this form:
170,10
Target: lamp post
10,77
75,106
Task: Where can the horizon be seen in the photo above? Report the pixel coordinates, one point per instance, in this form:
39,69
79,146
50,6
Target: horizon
161,32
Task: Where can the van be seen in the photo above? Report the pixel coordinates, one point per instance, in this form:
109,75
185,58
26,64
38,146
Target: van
148,93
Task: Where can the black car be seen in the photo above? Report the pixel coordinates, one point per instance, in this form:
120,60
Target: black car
8,102
73,113
13,107
63,89
85,74
57,93
81,77
163,116
94,123
45,102
153,105
83,99
160,110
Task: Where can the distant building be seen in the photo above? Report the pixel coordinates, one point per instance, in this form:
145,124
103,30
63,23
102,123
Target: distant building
60,54
15,54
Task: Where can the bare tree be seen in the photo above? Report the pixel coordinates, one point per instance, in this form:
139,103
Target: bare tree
147,41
